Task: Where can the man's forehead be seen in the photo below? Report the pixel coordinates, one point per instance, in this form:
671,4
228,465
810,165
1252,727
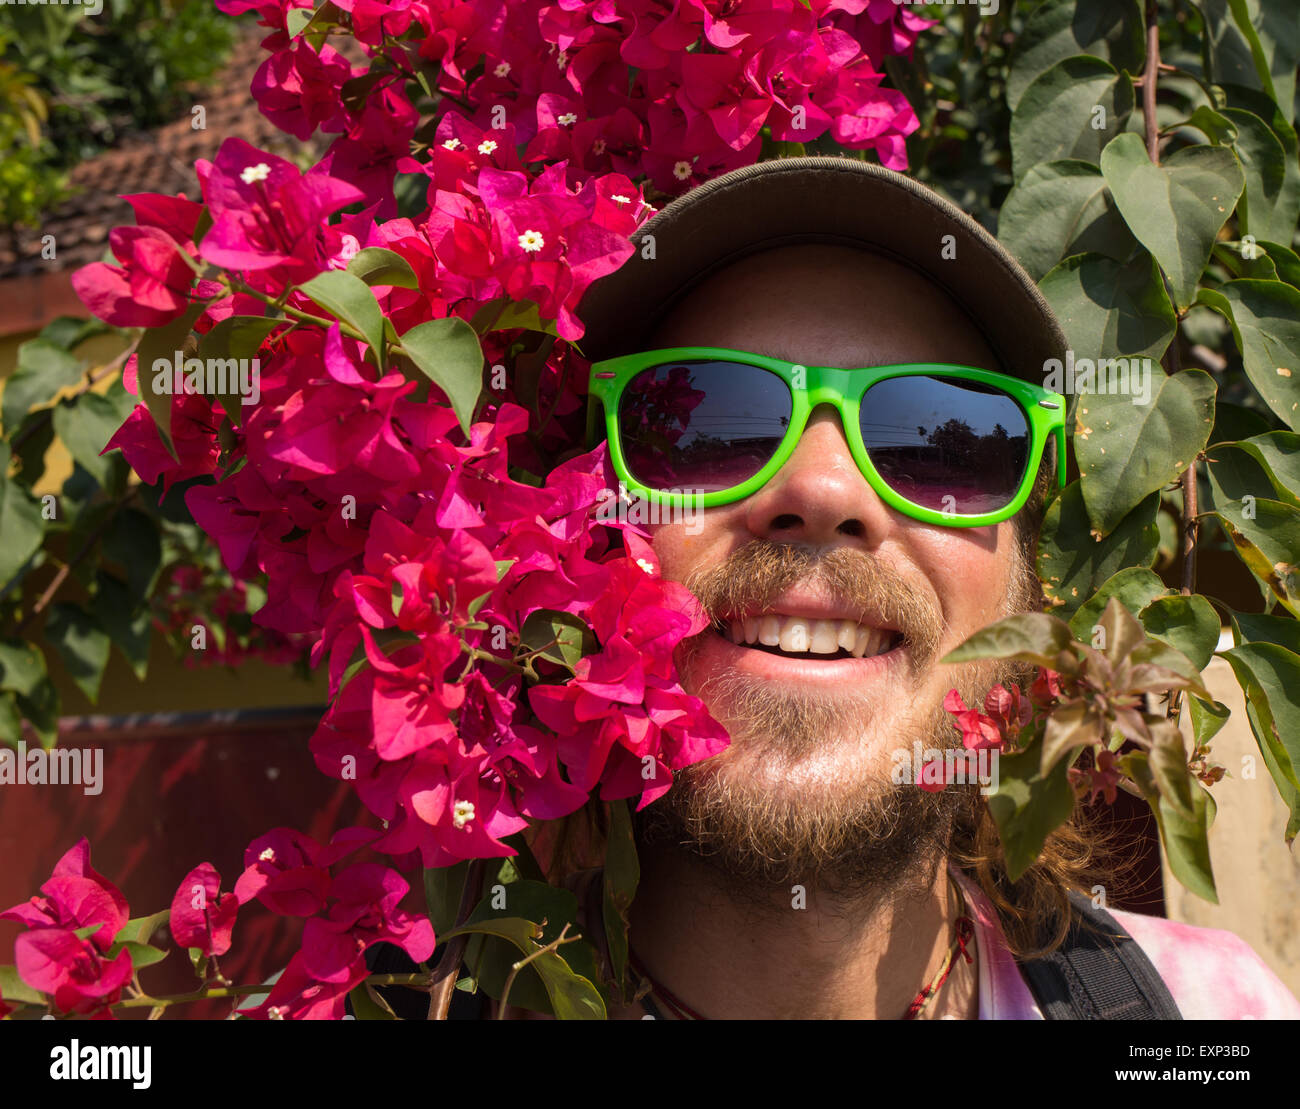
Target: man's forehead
825,305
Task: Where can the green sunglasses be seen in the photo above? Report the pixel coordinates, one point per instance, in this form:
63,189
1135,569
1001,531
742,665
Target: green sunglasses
702,426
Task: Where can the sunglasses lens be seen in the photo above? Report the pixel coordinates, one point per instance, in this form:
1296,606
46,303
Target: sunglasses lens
945,443
702,425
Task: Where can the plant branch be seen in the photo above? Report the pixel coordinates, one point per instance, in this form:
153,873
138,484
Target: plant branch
444,974
1149,77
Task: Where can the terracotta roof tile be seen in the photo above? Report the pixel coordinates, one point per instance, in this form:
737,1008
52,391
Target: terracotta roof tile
161,161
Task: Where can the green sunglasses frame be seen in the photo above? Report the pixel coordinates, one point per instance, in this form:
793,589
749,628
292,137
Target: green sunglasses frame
844,389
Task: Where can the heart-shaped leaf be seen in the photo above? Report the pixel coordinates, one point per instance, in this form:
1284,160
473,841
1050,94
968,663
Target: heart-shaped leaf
1126,450
1175,209
1071,111
1265,318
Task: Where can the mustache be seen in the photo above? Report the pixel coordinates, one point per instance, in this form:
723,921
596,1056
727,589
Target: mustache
759,572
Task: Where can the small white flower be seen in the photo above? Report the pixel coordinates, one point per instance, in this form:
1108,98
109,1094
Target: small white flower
532,241
462,812
267,856
682,170
502,70
451,144
562,59
259,172
277,1012
646,565
487,146
617,198
567,119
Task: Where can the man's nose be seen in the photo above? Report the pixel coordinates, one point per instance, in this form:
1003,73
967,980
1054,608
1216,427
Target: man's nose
819,497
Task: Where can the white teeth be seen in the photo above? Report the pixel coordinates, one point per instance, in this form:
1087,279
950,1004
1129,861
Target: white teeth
824,640
794,635
803,635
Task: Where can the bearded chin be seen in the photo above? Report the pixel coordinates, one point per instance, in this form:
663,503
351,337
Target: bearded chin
771,811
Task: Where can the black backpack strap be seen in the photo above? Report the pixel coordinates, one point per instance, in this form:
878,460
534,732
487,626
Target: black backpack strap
1098,973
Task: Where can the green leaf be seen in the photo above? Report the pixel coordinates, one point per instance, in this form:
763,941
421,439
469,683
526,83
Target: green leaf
1207,718
1168,761
1028,636
447,351
84,426
352,301
142,954
82,643
442,893
1213,125
22,666
1271,203
621,876
1269,677
1126,451
1278,452
132,540
367,1004
1188,624
1028,806
1134,587
41,709
1175,209
1264,532
141,929
232,340
1109,309
1071,111
43,369
1061,29
377,266
1186,842
561,637
569,995
13,988
1061,209
1074,562
1069,727
129,625
21,524
158,345
1255,627
1285,260
1265,319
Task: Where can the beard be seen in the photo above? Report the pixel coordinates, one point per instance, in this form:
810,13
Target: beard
762,814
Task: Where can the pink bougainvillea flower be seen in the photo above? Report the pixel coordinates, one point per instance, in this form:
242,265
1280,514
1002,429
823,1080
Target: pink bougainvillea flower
298,89
296,995
977,730
282,871
266,214
202,916
149,288
75,896
73,972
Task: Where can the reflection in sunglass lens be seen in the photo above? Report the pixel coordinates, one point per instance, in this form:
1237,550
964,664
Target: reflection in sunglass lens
946,443
702,425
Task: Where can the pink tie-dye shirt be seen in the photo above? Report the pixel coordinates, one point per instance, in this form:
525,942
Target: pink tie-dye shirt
1211,974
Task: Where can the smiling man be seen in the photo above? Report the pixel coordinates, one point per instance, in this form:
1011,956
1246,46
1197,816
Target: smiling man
848,373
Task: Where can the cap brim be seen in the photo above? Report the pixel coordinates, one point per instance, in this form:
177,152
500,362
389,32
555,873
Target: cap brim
822,199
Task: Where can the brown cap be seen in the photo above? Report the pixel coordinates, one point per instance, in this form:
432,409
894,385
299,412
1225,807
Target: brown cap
821,200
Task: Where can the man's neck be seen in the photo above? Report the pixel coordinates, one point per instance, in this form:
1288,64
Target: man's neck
791,953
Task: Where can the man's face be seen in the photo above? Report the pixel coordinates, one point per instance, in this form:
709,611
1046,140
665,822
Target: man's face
806,785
